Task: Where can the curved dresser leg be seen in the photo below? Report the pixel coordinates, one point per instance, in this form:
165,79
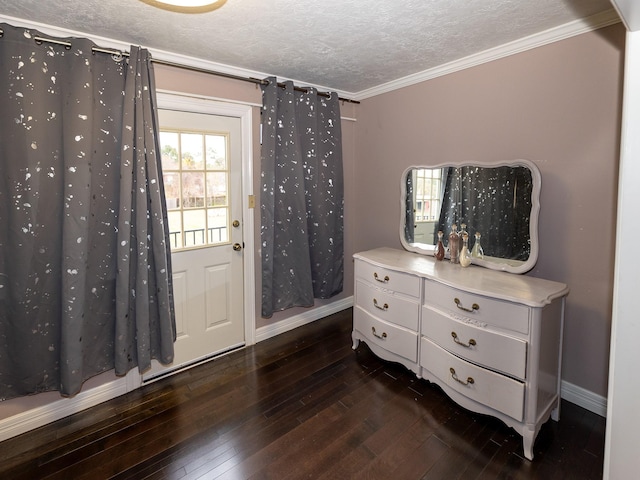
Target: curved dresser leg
356,341
528,439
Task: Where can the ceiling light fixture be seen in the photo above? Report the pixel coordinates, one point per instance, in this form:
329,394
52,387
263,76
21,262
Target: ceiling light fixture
187,6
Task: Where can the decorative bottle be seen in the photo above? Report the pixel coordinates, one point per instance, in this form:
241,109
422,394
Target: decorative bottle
477,252
454,242
465,256
461,233
439,251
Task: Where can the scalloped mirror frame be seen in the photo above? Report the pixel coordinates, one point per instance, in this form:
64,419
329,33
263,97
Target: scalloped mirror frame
533,218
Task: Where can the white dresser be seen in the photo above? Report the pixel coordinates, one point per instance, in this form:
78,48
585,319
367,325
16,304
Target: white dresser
491,340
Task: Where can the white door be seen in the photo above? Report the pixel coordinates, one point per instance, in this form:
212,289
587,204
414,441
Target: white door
202,169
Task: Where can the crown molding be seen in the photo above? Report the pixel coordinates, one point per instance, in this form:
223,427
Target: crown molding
157,54
124,46
568,30
600,20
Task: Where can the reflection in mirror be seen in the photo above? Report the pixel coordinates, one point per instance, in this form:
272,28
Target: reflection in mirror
500,202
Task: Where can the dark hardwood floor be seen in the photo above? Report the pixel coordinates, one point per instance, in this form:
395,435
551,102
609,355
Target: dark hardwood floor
299,405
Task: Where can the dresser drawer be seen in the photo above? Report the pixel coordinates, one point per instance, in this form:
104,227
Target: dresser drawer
391,337
473,308
494,350
387,306
483,386
402,283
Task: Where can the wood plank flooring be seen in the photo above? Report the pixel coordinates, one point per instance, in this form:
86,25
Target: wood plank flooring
300,405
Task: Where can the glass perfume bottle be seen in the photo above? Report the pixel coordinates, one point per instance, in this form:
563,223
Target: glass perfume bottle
439,251
461,233
454,242
465,256
477,252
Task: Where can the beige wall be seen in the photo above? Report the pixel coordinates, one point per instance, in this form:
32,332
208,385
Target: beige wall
558,105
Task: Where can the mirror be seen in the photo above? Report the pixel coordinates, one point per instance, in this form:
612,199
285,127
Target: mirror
499,201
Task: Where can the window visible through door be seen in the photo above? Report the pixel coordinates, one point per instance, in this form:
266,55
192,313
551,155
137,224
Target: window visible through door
428,193
196,181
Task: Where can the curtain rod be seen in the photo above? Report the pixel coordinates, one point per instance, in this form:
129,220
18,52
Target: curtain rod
257,81
118,54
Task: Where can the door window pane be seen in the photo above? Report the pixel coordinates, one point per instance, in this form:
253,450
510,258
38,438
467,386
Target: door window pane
175,229
192,154
169,150
218,225
216,152
428,184
197,191
193,189
217,189
172,189
194,227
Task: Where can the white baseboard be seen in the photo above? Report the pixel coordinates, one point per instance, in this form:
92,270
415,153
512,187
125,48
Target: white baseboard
296,321
63,407
584,398
39,416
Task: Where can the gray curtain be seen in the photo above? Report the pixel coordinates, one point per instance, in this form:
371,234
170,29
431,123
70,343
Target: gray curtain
302,198
410,214
490,201
85,273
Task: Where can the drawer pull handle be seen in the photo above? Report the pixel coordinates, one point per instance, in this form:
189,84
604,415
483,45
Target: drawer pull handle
375,334
471,343
469,381
384,307
475,306
384,280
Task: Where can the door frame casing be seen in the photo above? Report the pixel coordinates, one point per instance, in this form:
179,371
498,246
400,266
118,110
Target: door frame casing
168,100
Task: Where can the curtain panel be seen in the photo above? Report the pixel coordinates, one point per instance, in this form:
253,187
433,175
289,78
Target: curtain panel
469,198
409,218
302,197
85,272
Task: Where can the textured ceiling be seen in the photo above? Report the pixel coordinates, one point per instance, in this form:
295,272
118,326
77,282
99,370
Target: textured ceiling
344,45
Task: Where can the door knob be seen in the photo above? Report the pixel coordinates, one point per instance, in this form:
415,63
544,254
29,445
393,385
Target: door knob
236,223
237,247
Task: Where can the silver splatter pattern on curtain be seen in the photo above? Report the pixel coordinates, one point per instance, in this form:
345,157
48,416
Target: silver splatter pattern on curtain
302,198
496,202
85,273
